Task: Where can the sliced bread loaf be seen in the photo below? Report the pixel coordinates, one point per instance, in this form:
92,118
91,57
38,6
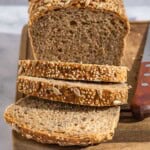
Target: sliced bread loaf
63,124
74,92
72,71
88,31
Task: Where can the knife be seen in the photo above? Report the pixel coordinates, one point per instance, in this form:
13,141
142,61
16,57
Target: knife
140,104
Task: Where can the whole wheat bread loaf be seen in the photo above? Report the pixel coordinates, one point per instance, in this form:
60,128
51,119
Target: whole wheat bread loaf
63,124
88,31
72,71
74,92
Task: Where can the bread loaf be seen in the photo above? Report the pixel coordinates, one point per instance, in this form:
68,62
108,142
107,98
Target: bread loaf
87,31
74,92
72,71
63,124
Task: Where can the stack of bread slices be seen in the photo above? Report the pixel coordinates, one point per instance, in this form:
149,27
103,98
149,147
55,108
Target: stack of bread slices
75,85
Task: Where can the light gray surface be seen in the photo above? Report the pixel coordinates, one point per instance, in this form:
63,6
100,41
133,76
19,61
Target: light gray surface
11,21
13,2
25,2
137,2
9,46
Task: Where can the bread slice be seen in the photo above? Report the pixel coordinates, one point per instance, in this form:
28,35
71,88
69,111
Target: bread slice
72,71
63,124
74,92
87,31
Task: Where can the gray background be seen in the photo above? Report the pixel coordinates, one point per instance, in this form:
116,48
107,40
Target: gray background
24,2
9,49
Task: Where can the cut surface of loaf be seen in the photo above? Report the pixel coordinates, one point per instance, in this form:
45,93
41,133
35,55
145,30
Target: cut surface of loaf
72,71
63,124
90,31
74,92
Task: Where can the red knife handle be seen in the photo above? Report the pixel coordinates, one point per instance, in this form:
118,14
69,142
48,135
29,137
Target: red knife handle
140,104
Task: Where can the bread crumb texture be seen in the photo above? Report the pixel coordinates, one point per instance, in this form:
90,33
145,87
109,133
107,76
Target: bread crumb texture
78,31
63,124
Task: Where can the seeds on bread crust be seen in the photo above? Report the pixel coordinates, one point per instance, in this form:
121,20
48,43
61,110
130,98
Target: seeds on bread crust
56,91
73,71
87,2
20,71
75,93
116,102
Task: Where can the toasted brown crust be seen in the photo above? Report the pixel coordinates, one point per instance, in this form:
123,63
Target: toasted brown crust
37,8
60,138
74,93
72,71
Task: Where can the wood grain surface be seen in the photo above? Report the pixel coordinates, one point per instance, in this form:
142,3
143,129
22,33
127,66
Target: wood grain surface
129,134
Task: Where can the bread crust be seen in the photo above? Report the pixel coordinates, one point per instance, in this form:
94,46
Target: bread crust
74,93
58,138
38,8
72,71
62,139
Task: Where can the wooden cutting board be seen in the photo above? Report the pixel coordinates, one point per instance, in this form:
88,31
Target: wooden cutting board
129,133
